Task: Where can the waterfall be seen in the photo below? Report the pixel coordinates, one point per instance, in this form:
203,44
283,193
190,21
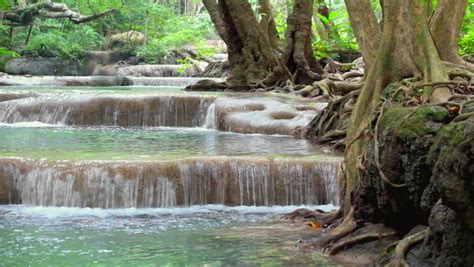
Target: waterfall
211,117
163,70
175,111
166,81
143,184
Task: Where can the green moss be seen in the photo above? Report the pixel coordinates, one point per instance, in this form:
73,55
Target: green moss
451,156
409,123
448,137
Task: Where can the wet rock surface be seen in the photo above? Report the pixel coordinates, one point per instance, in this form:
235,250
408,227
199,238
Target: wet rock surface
404,139
426,161
45,66
260,115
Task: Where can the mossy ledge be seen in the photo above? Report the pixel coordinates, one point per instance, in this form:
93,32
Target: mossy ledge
431,157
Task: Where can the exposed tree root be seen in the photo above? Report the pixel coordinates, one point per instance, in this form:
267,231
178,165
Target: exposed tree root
332,135
216,69
347,226
324,218
329,88
206,85
361,238
352,74
334,67
331,122
463,117
403,247
377,152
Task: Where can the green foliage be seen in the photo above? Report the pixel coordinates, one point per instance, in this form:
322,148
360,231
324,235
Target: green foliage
179,33
53,38
166,30
280,22
466,44
334,33
5,5
4,55
185,63
7,53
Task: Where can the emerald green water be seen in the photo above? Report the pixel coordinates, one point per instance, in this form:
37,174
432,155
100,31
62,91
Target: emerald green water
196,236
70,143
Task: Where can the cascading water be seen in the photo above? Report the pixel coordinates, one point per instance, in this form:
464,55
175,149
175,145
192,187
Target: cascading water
197,181
257,180
166,191
165,81
177,111
211,117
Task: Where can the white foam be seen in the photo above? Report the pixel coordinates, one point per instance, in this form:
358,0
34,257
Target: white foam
55,212
31,124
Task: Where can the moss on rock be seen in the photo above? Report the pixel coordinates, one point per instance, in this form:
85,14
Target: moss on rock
405,136
452,156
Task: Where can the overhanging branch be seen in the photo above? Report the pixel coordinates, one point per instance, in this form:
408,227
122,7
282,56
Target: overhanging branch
48,9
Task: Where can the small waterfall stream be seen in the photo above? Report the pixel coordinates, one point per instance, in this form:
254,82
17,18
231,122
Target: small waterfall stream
176,111
249,180
197,181
93,167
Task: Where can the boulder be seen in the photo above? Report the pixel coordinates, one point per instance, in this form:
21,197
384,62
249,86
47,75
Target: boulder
45,66
130,38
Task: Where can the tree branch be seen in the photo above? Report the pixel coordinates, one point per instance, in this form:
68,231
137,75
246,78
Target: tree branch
48,9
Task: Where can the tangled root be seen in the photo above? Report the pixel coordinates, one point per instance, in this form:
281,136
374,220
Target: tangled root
361,238
403,247
330,125
347,226
324,218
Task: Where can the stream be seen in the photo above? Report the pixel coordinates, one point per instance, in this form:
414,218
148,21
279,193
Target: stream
157,176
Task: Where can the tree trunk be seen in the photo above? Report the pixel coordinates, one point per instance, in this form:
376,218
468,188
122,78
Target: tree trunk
445,26
267,23
406,50
297,62
366,28
250,51
252,55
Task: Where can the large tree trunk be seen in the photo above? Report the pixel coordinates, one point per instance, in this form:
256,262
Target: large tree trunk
251,55
445,25
406,50
298,62
366,28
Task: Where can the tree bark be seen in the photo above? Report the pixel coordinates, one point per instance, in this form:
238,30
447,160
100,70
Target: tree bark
267,23
48,9
250,51
253,58
406,50
298,62
366,28
445,25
